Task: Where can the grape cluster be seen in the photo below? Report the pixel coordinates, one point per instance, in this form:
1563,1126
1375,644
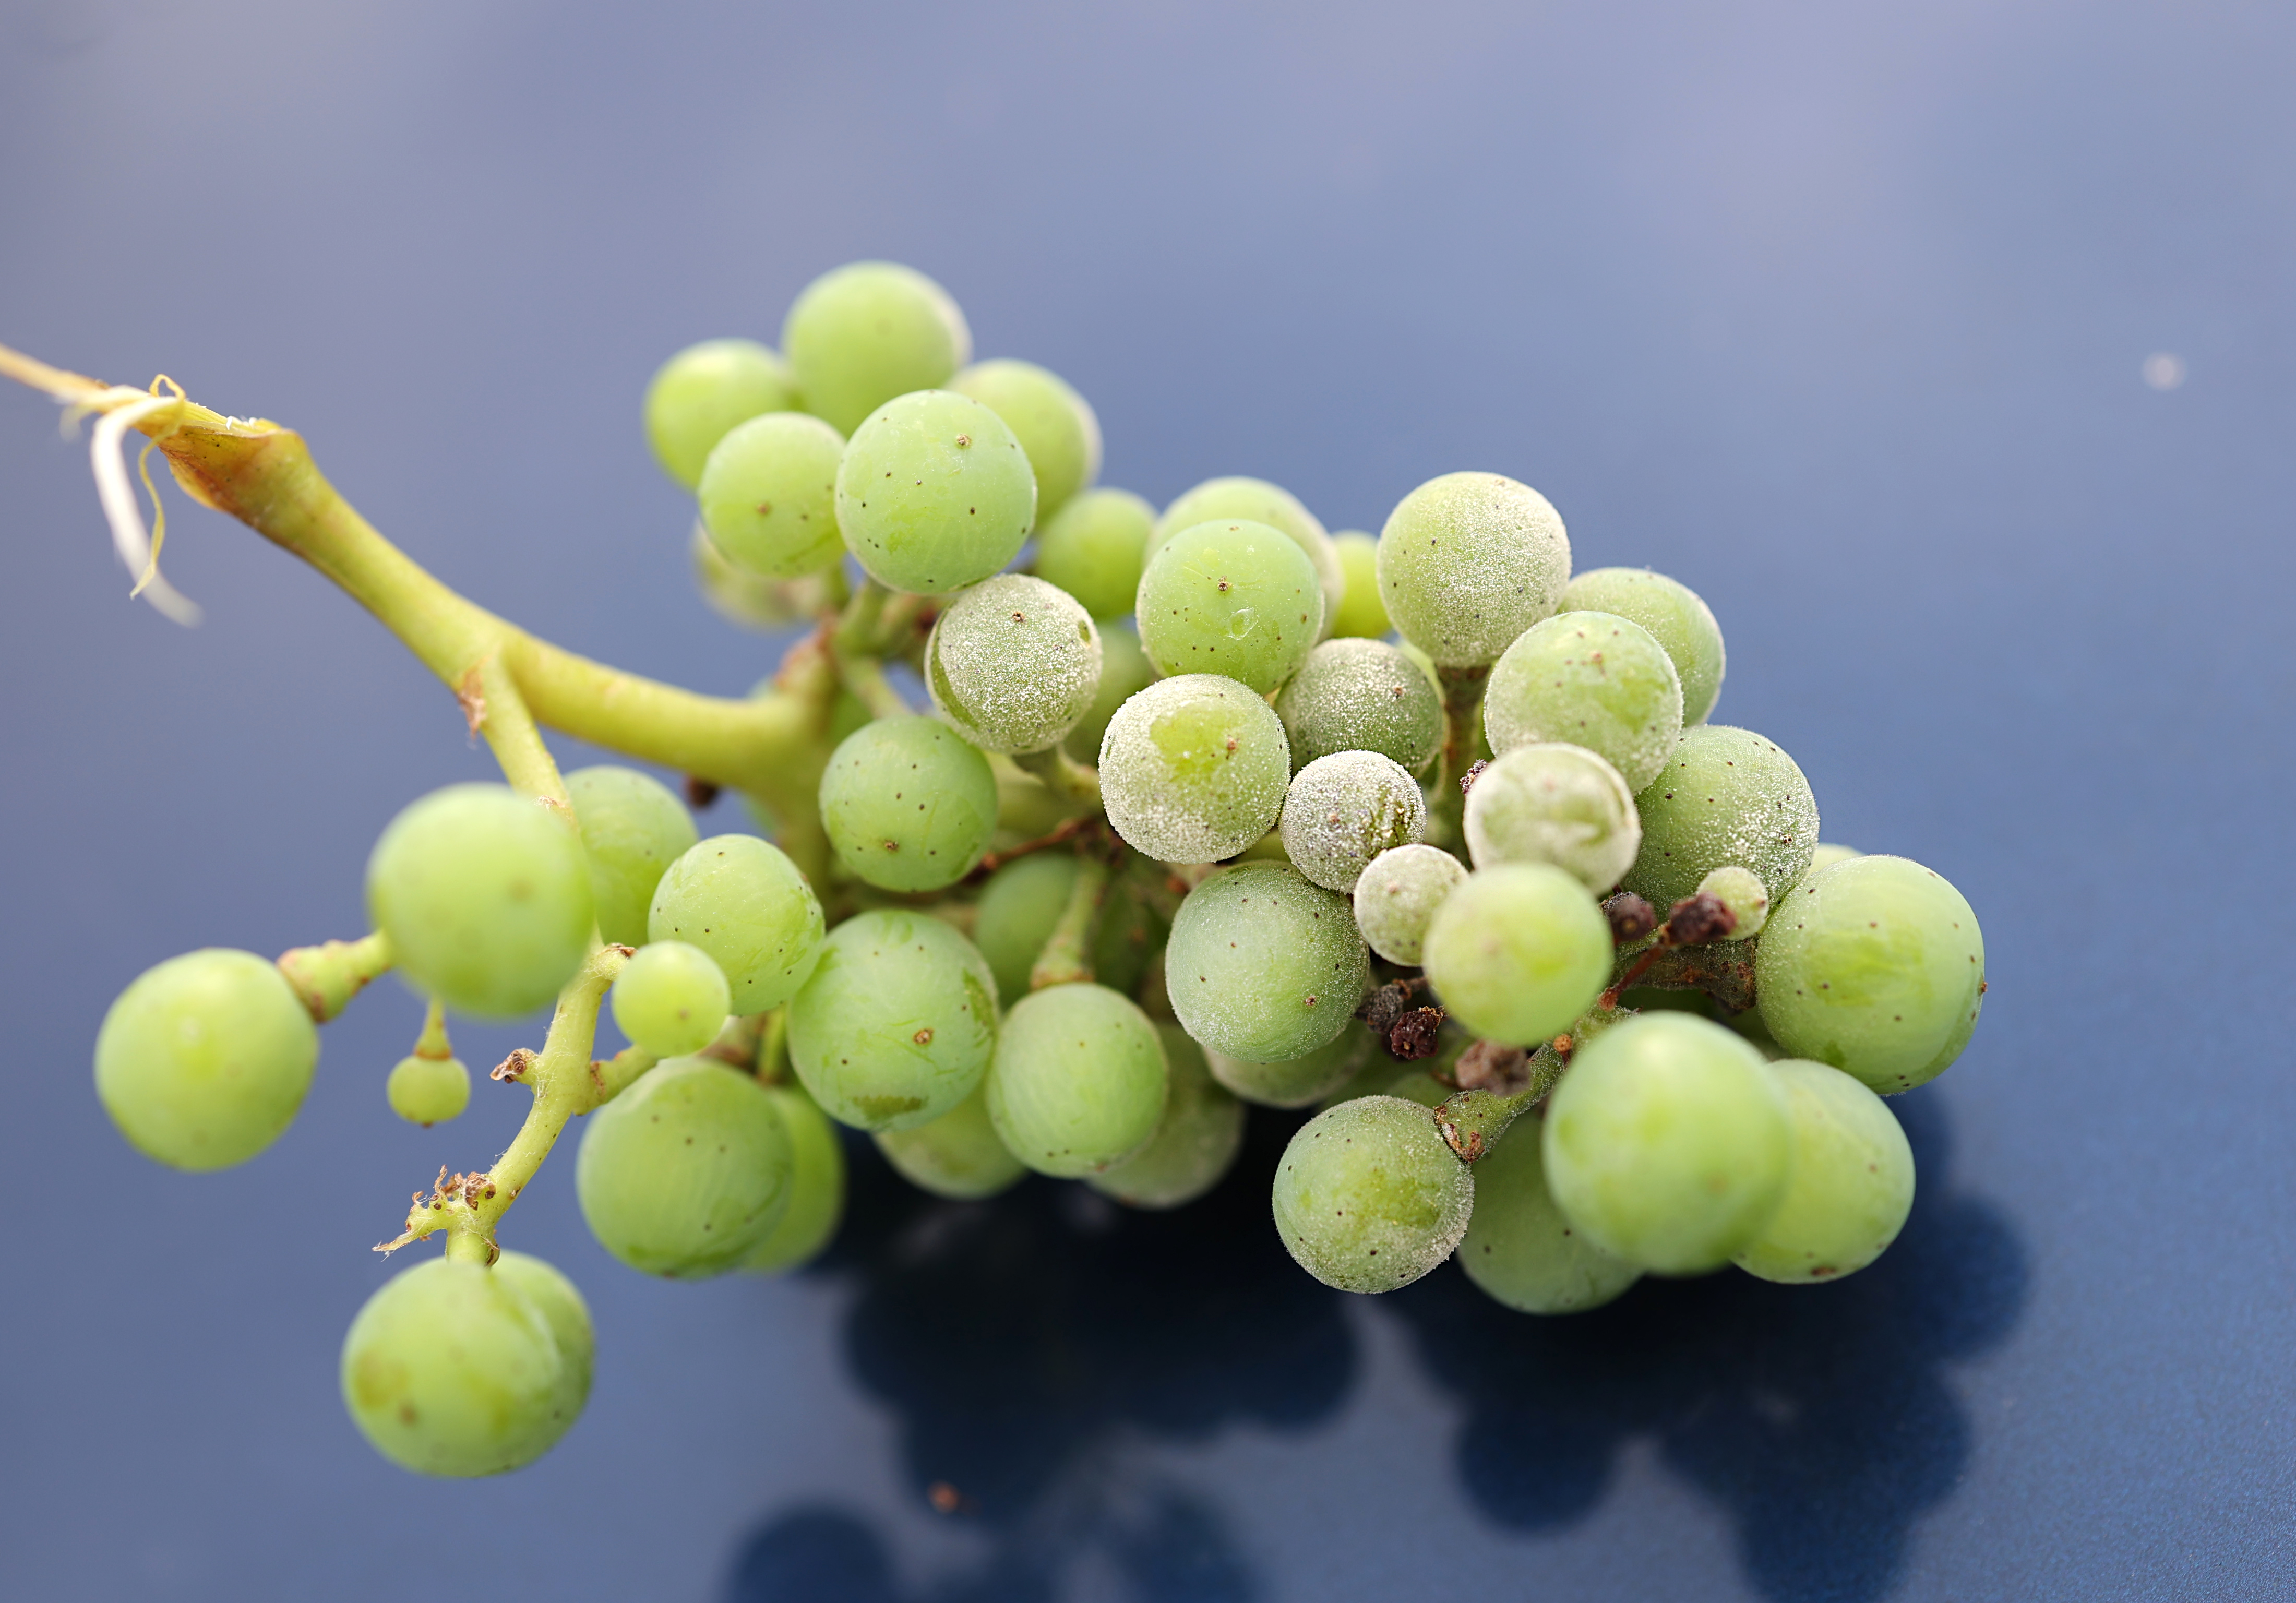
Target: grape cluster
1578,991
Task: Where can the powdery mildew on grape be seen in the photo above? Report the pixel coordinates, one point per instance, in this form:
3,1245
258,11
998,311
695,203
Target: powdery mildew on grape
1675,617
1469,561
1368,1197
1014,663
1264,966
1396,895
1193,769
1727,797
1361,695
1593,679
1558,804
1344,810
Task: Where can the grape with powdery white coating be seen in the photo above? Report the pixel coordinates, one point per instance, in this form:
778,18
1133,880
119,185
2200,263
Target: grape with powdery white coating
1265,965
1555,804
1361,695
1591,679
1012,664
1078,1081
1727,798
1193,769
1395,897
1344,810
1467,562
1369,1197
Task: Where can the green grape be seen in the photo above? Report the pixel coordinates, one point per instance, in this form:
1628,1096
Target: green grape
1193,769
1300,1080
1741,890
1256,501
908,805
1078,1082
633,828
768,495
1360,612
1344,810
1095,546
1727,798
1555,803
455,1369
204,1058
1520,1248
741,900
1233,598
751,599
1012,663
957,1156
486,899
1417,1085
687,1172
1129,935
671,999
1055,425
1826,855
896,1026
1875,966
862,333
1668,1143
1852,1184
1368,1197
703,391
1594,679
1673,614
1518,953
816,1185
1264,965
1467,562
1195,1144
1395,897
1361,695
934,493
563,1309
1125,671
428,1091
1021,903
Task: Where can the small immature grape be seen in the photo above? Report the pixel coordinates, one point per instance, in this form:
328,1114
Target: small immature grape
1361,612
934,493
1193,769
1264,965
896,1026
703,391
1299,1081
1826,855
1014,663
1520,1249
748,598
204,1058
1852,1184
1233,597
741,900
1257,501
1727,797
1078,1082
1095,546
1673,614
1740,890
1125,671
1594,679
1345,809
768,495
1469,561
428,1091
1194,1145
1369,1198
687,1172
862,333
1396,895
908,805
1518,953
816,1185
1361,695
671,999
1668,1143
1055,426
633,828
1550,803
957,1156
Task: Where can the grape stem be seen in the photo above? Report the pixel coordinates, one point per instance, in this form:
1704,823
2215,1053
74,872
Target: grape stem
1462,701
1062,773
327,977
1473,1120
432,1043
1066,955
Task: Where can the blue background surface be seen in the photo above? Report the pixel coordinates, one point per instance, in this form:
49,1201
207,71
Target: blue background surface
1838,314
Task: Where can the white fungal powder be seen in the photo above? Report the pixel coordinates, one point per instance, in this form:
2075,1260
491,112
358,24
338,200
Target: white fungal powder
1469,561
1552,803
1345,809
1193,769
1014,663
1396,895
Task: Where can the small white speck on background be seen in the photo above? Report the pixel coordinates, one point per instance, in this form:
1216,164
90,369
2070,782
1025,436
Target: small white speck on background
2164,370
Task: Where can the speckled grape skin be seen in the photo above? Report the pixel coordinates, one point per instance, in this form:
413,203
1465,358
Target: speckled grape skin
1344,810
1095,548
1125,671
934,493
1014,663
1260,502
1368,1198
1852,1183
1361,695
862,333
1263,965
1057,429
1876,966
1668,1143
1520,1249
1675,617
1550,803
1727,797
1078,1082
1361,613
768,495
1593,680
897,1025
957,1156
705,389
1195,1143
1518,953
1193,769
1232,597
816,1186
1299,1081
744,902
633,828
1469,561
1396,895
908,805
686,1173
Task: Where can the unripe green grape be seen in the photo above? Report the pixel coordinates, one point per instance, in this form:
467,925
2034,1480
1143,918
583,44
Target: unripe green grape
957,1156
428,1091
862,333
1518,953
1741,890
751,599
1012,664
1257,501
744,902
1875,966
1594,679
704,390
896,1026
633,828
1369,1198
908,804
934,493
1195,1143
1193,769
1055,425
1021,903
1852,1184
816,1185
1298,1082
1361,695
1826,855
1361,612
1095,546
1520,1249
1727,797
559,1303
1675,617
1395,897
1233,597
486,899
768,495
1264,965
1345,809
203,1059
1469,561
1550,803
671,999
1668,1143
687,1172
1125,671
454,1369
1078,1082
